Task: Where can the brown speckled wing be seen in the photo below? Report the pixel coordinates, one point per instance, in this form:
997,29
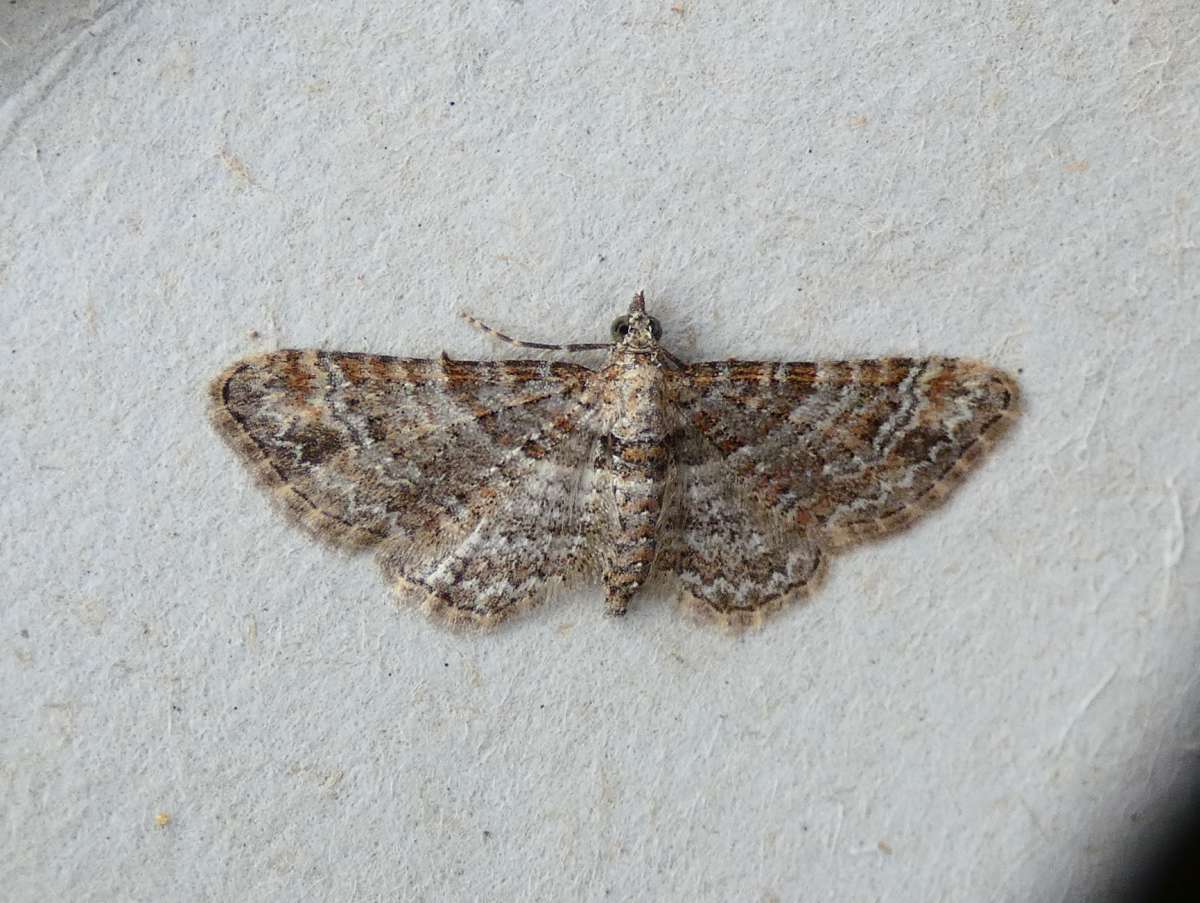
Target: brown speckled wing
423,458
838,452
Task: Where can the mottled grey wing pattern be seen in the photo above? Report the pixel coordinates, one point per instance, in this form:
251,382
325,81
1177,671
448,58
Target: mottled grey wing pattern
481,483
844,451
429,460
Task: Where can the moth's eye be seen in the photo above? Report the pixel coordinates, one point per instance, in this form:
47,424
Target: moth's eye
620,328
655,329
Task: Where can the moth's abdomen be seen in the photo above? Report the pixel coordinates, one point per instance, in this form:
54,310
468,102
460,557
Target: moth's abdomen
638,468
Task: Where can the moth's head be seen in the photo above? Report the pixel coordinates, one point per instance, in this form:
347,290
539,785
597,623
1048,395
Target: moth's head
637,330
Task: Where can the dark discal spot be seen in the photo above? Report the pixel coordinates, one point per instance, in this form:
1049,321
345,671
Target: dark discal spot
315,443
377,427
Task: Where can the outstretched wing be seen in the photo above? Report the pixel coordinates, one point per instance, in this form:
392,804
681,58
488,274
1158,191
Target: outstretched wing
416,456
848,450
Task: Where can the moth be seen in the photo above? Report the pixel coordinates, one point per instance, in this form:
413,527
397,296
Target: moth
480,485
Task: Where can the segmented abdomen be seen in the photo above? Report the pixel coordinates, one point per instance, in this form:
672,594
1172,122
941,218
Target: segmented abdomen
638,468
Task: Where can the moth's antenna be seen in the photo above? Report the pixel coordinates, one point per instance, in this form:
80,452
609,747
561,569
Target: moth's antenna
541,346
675,362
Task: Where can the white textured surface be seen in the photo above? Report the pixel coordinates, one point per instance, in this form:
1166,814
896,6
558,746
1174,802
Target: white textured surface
980,709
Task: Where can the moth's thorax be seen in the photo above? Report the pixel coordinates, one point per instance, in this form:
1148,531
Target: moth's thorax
636,396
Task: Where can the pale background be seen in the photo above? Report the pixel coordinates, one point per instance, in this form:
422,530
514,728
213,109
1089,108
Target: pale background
985,708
